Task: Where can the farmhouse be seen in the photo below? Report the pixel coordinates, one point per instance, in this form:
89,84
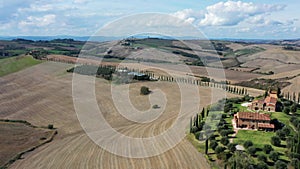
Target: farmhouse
138,76
253,121
268,104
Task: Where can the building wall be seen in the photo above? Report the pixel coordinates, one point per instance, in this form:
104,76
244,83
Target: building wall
258,106
249,123
270,108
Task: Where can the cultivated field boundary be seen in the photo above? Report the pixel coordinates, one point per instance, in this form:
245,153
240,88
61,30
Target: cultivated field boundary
20,154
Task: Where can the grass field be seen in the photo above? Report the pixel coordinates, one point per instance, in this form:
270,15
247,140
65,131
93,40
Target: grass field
284,118
259,139
14,64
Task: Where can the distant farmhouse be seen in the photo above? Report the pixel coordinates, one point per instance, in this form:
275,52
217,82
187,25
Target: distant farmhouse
268,104
125,76
251,120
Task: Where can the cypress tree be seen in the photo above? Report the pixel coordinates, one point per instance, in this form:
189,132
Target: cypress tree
197,121
191,124
206,146
202,113
207,111
278,92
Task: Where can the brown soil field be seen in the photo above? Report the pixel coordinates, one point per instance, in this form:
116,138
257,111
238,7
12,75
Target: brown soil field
231,75
215,73
235,46
42,95
18,137
273,59
282,75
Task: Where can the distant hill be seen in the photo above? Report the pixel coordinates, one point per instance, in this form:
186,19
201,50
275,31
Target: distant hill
48,38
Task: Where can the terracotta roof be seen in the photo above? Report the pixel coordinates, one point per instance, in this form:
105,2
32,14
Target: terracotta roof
270,105
266,125
258,101
271,100
253,116
274,95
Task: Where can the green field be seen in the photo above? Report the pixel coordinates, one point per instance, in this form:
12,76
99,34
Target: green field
14,64
259,139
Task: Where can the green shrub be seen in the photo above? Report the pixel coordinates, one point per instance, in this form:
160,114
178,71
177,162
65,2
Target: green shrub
251,150
231,147
267,148
224,141
219,149
262,158
145,90
213,144
155,106
281,134
274,156
275,140
262,165
280,165
248,143
50,126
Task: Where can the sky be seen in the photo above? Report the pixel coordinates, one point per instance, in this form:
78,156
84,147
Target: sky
248,19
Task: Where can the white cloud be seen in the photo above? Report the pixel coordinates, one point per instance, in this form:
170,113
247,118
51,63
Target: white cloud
80,1
37,8
233,12
188,15
38,21
243,30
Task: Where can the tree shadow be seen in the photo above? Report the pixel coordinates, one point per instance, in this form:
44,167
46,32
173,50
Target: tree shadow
281,145
286,161
270,163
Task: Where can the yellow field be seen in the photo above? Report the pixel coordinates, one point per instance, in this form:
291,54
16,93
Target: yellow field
43,95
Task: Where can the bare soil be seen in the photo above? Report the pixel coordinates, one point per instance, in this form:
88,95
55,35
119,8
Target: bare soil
18,137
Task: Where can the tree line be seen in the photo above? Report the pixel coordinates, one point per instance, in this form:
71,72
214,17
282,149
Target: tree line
206,83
